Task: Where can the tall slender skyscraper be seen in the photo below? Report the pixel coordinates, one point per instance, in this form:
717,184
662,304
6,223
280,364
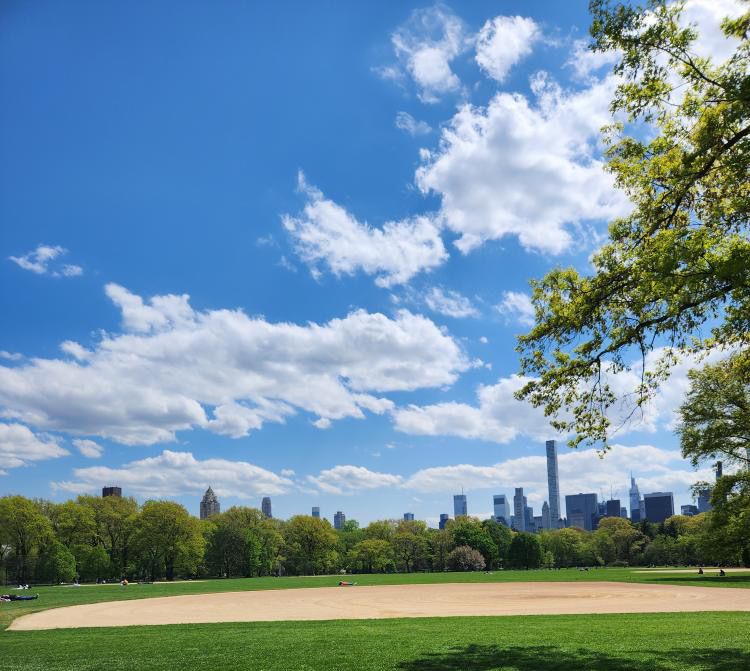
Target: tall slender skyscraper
553,483
546,519
635,501
519,510
265,506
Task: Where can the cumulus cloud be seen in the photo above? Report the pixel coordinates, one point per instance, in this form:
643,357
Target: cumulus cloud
525,168
706,16
352,479
498,417
504,41
178,473
516,306
88,448
324,233
19,446
450,303
407,123
40,261
174,368
425,46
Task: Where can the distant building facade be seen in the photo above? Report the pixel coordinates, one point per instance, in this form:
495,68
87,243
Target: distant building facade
553,484
519,510
209,504
265,506
659,506
444,517
612,508
111,491
459,505
546,516
316,511
582,510
501,508
689,510
704,500
635,501
338,520
408,517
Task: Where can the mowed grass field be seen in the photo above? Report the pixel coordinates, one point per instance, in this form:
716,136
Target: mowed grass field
703,641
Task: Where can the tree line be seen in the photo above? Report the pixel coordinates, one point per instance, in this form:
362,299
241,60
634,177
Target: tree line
93,539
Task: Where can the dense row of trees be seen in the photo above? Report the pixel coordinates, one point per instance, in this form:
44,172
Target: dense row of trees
95,539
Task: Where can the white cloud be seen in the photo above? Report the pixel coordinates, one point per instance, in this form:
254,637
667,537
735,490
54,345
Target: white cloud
498,417
88,448
352,479
177,473
706,16
425,47
450,303
586,63
407,123
40,259
325,233
19,446
287,472
175,368
516,306
483,340
504,41
523,168
10,356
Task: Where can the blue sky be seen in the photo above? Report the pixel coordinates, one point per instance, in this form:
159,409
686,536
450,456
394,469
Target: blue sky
353,196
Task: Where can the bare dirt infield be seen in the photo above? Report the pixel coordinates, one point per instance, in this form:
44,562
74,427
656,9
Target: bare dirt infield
392,601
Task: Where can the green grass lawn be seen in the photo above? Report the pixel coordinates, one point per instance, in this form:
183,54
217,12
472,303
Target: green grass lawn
54,597
652,642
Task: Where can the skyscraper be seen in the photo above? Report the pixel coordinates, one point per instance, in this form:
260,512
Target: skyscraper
612,508
316,511
581,510
209,504
689,510
111,491
553,483
635,501
459,505
408,517
704,500
519,509
338,520
501,509
444,517
265,506
546,518
659,506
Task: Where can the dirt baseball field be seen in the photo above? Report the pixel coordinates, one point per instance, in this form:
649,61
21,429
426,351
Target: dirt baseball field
333,603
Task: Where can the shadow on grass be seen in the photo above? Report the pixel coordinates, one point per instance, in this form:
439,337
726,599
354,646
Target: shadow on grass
549,658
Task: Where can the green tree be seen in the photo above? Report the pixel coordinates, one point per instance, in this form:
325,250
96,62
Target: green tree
469,531
73,523
441,544
25,529
115,517
92,561
501,536
616,539
372,556
675,272
566,546
309,545
525,551
56,564
410,545
167,536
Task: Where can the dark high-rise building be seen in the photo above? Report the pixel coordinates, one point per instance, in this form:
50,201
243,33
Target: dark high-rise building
659,506
528,516
265,506
624,512
459,505
581,510
209,504
315,511
444,517
338,520
689,510
111,491
553,483
408,517
519,509
612,508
